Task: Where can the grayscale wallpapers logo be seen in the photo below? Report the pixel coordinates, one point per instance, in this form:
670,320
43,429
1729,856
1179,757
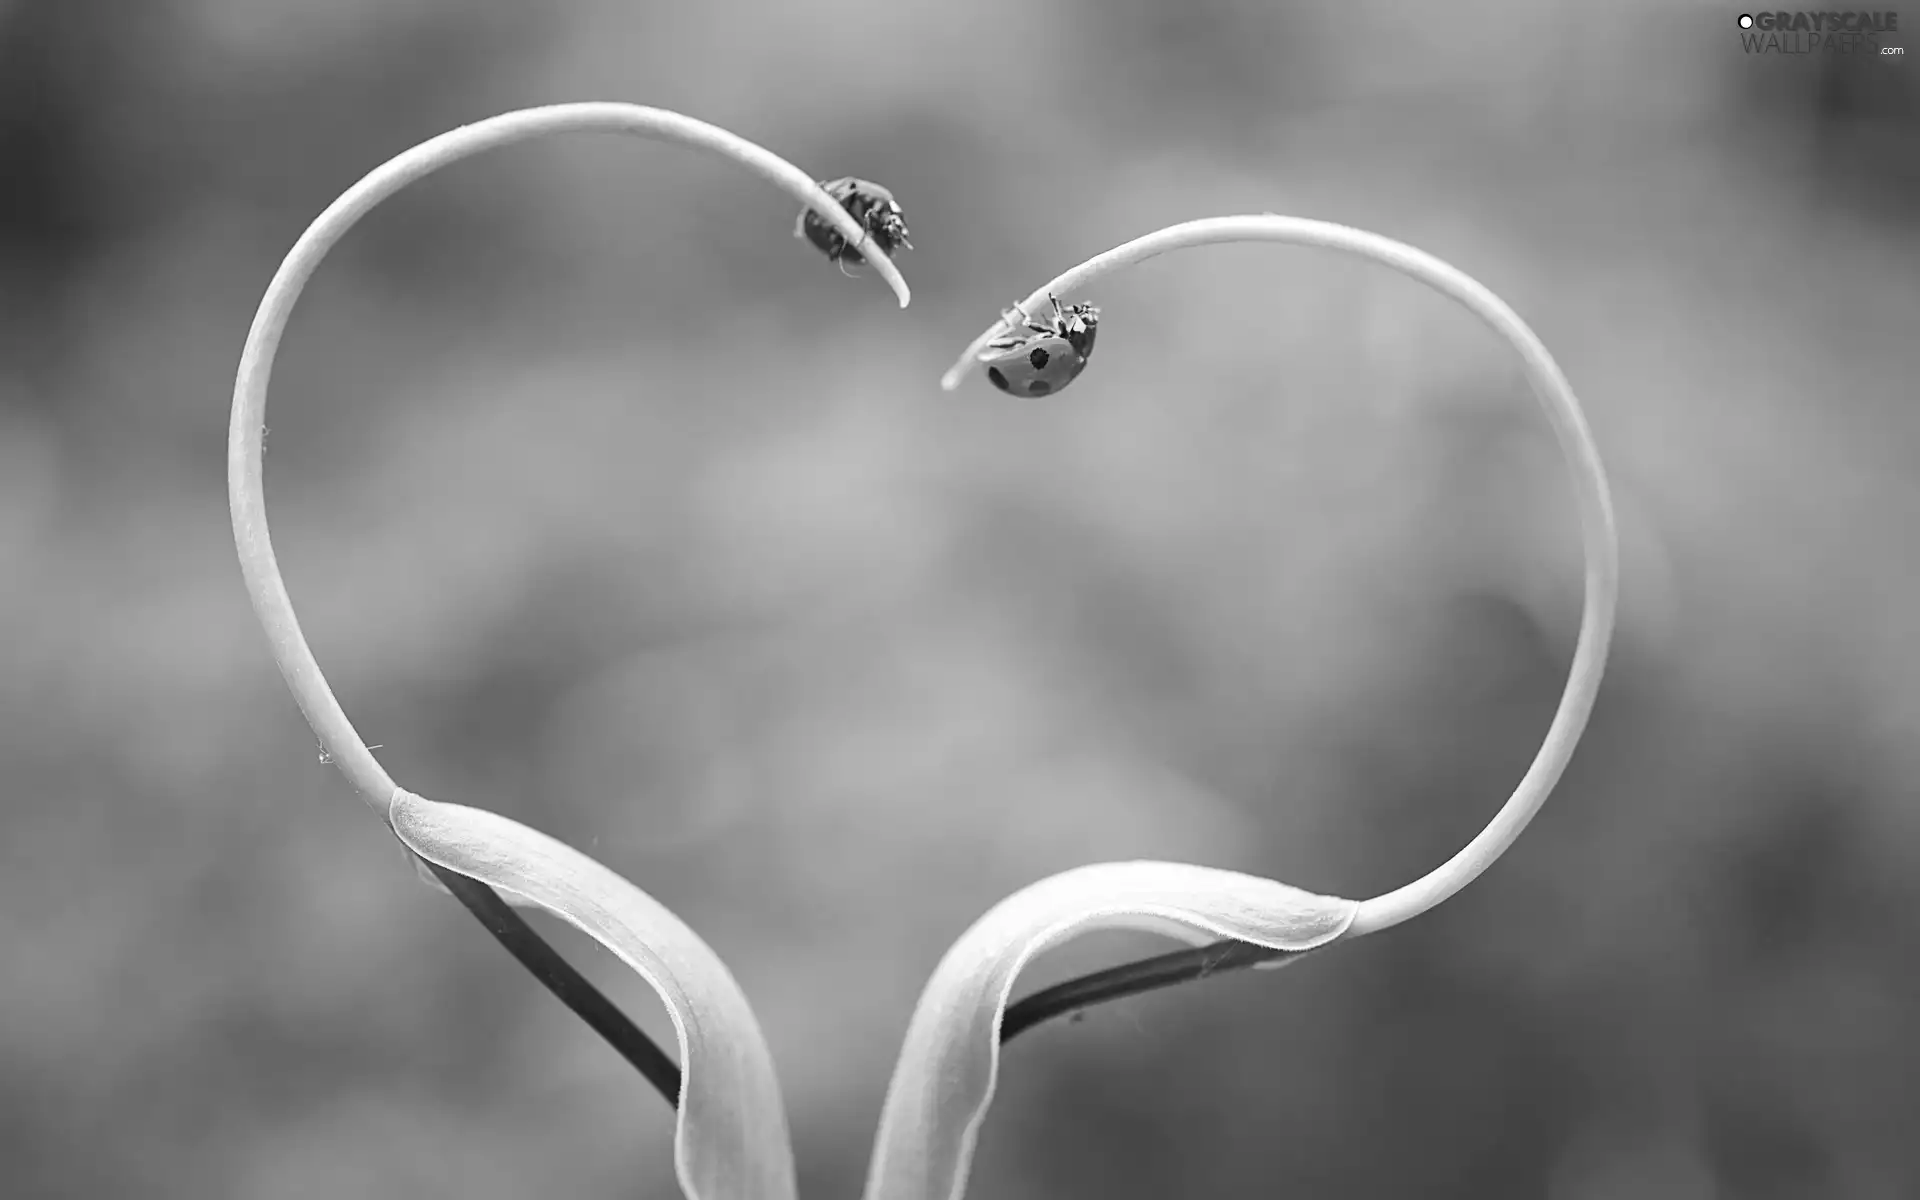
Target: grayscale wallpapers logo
1821,33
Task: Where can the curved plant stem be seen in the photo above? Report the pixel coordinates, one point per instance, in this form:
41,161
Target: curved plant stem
1591,497
1139,977
246,495
244,488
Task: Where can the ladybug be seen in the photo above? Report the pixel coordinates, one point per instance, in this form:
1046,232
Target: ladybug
871,205
1048,356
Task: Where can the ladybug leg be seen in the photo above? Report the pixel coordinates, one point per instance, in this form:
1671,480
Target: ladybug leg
1025,319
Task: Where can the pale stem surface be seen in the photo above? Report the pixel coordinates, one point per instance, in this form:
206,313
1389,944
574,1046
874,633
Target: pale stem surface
731,1137
246,495
949,1066
1590,491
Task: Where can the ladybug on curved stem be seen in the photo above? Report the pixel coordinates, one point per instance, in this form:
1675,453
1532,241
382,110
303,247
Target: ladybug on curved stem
871,205
1048,356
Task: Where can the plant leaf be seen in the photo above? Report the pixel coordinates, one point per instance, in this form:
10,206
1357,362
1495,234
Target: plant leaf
425,875
731,1140
947,1070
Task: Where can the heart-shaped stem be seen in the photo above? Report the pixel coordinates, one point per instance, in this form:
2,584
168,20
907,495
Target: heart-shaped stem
246,497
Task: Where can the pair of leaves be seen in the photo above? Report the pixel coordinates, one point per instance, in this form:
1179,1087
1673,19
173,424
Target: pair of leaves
731,1139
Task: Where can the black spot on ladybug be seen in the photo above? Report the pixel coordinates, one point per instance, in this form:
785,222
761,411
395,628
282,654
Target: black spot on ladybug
1038,358
999,380
1039,387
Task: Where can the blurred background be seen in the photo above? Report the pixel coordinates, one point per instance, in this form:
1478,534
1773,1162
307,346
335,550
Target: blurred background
609,506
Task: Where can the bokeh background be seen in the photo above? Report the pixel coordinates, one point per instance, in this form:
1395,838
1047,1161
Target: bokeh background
609,506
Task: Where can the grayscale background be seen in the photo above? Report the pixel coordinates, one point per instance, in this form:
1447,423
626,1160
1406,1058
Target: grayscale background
609,506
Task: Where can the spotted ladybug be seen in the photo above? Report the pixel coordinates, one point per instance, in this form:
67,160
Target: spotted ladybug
871,205
1048,355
